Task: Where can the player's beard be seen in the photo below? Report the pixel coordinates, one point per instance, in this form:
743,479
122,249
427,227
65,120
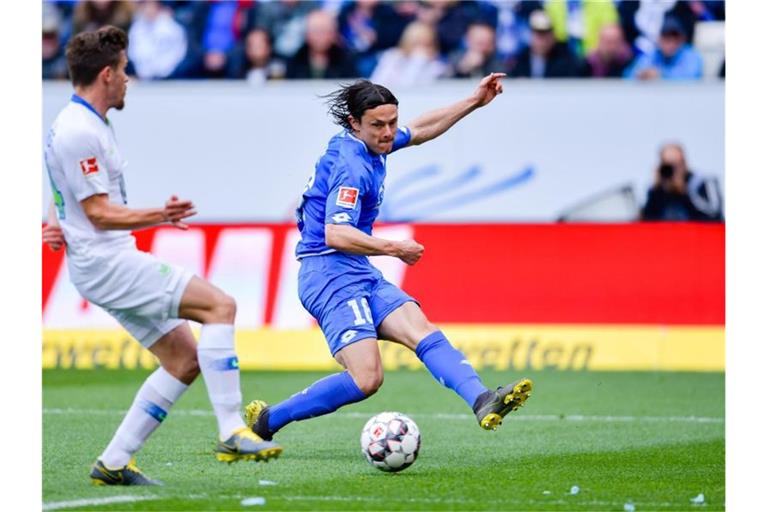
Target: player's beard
120,103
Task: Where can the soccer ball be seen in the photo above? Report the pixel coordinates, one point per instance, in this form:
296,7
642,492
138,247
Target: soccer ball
390,441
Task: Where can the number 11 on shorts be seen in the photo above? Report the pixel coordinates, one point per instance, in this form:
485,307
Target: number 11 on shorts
359,320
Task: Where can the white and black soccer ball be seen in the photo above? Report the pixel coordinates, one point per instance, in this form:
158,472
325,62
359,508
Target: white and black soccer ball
390,441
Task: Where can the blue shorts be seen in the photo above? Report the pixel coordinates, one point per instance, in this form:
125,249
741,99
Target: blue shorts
348,297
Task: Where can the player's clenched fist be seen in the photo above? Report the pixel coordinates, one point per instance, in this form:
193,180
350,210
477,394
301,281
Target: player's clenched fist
177,209
53,237
410,251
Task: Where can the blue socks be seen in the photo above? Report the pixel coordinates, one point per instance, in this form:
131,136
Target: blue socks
324,396
450,367
445,363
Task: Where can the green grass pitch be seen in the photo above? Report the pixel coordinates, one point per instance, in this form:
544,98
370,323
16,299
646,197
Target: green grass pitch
654,440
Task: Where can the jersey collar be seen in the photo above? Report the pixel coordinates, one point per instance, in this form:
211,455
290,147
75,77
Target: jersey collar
77,99
368,152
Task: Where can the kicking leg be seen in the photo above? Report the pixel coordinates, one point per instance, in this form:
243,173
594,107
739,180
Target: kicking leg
408,326
362,378
218,361
176,351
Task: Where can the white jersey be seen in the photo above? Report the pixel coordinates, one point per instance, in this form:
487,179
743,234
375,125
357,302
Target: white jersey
83,160
137,289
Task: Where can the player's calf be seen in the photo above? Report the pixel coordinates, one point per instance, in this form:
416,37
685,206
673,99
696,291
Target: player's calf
185,369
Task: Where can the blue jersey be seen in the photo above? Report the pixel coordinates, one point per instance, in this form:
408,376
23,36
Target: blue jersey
347,187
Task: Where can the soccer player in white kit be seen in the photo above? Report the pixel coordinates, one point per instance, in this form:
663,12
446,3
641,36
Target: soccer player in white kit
150,298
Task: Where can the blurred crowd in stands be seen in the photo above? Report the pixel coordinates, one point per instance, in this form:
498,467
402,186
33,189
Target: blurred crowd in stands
399,42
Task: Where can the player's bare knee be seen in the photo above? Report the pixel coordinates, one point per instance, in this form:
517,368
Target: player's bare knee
225,309
370,382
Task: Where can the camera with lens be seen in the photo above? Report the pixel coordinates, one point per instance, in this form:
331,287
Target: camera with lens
666,171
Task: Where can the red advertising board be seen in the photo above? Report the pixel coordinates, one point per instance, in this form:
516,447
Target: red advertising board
644,273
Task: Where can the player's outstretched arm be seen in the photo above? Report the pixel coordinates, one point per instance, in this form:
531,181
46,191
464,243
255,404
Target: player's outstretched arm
349,239
435,123
110,216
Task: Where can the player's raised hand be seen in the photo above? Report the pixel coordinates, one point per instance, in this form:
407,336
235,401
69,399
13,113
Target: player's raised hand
53,237
410,251
177,209
489,88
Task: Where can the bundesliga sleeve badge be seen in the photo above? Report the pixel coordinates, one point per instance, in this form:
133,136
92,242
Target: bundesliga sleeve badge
89,166
347,197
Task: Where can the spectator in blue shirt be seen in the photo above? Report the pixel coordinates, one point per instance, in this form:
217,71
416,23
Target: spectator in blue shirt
673,59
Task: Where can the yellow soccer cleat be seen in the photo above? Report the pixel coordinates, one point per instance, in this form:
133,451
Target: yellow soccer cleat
245,445
491,407
257,419
127,475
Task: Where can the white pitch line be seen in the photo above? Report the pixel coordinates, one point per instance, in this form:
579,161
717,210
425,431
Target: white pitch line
440,416
555,417
564,500
92,502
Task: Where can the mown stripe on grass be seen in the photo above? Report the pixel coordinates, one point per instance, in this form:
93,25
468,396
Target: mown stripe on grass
92,502
566,500
440,416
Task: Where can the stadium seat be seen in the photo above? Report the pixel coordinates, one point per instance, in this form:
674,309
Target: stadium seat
709,40
615,205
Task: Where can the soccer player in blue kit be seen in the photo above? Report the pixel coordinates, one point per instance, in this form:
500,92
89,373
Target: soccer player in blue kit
346,294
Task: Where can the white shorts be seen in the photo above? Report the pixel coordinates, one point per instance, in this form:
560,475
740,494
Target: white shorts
140,291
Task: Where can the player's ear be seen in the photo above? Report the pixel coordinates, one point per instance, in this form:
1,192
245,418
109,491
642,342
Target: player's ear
354,123
106,74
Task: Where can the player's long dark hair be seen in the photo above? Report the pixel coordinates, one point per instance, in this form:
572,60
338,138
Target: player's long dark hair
354,99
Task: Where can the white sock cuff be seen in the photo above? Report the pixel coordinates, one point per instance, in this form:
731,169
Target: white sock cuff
217,336
166,385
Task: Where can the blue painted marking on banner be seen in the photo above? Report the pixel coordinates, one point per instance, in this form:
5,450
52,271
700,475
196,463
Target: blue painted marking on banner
441,189
416,206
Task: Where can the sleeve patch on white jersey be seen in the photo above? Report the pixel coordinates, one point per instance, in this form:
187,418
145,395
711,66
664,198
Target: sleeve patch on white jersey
89,166
347,197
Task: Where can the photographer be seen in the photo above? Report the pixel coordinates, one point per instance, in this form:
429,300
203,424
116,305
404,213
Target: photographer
678,194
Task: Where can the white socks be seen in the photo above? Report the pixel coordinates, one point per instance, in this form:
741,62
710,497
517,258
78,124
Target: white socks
149,409
219,366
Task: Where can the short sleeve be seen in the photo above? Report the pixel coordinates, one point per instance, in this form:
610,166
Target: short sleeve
82,160
402,138
346,190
